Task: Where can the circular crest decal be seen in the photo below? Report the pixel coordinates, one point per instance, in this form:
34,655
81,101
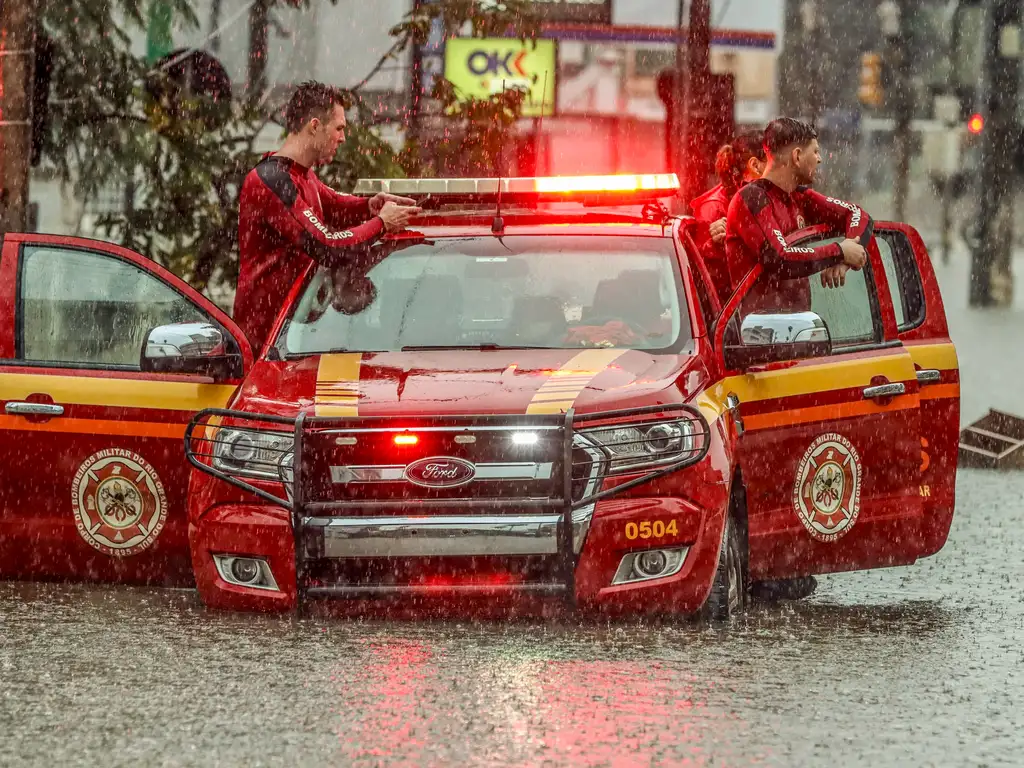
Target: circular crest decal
119,502
827,491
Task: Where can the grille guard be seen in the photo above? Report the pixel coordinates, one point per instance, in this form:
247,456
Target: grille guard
572,432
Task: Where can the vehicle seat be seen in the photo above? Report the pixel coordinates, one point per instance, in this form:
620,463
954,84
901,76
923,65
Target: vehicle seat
431,307
539,321
634,296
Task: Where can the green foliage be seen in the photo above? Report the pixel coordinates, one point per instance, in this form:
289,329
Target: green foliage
186,165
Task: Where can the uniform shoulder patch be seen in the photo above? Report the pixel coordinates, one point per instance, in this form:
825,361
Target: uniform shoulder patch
277,179
755,197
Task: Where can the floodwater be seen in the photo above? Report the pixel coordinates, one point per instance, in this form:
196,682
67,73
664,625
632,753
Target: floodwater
921,665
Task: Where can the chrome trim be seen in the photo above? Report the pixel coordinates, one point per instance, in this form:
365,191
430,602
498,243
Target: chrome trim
625,574
581,517
394,473
732,402
33,409
223,563
455,536
453,428
929,376
886,390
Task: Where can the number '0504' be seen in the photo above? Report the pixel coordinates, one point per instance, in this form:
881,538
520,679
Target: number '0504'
651,530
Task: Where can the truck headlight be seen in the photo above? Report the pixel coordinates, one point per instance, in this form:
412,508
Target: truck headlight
251,452
638,446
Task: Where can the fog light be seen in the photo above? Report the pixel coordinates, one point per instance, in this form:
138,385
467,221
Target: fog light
650,565
245,572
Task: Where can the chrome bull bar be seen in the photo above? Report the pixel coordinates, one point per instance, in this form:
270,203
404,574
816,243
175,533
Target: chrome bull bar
552,525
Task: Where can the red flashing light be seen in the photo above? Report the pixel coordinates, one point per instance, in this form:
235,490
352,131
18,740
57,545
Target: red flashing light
406,439
976,123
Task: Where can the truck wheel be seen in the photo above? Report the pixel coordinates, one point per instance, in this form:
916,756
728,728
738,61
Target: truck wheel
728,594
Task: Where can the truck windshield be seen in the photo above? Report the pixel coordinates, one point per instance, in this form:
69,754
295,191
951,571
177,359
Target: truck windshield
556,292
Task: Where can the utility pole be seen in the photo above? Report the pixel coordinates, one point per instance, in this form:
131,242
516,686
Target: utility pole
809,49
894,29
259,16
991,275
696,106
17,57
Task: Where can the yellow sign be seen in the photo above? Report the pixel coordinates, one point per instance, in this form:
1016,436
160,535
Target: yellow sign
478,67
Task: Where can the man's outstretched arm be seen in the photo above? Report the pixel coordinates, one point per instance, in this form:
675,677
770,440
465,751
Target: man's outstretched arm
849,217
751,219
279,203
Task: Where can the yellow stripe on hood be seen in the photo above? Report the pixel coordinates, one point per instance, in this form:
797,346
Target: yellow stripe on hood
559,392
337,384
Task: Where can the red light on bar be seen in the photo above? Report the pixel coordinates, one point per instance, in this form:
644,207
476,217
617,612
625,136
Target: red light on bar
406,439
614,183
976,124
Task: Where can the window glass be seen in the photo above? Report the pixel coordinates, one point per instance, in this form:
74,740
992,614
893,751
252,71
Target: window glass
91,309
849,311
553,292
904,279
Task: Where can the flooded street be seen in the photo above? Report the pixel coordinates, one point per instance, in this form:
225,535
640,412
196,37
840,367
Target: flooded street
921,665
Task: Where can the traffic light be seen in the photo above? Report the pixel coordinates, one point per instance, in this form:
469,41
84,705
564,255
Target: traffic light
871,93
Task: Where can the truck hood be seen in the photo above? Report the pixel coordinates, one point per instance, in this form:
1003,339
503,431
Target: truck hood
460,382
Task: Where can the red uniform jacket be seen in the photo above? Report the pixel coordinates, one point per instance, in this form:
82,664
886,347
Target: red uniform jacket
707,209
760,217
288,217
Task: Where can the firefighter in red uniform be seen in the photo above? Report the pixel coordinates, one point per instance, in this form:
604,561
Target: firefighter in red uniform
287,216
736,164
781,202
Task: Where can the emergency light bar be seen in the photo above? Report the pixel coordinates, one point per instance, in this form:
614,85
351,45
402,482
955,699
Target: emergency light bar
619,187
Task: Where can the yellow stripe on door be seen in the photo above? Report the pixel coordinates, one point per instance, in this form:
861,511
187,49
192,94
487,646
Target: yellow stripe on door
109,391
559,392
337,385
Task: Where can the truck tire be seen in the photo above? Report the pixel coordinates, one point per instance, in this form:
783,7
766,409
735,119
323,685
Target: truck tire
728,594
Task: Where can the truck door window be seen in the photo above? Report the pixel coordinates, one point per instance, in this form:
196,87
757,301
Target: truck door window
904,278
850,312
89,309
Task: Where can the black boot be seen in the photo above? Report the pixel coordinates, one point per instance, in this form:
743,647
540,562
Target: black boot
784,589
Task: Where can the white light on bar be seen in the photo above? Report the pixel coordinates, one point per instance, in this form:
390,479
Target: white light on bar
524,438
667,183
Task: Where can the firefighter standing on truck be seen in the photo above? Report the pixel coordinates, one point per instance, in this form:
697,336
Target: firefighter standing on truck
287,216
768,209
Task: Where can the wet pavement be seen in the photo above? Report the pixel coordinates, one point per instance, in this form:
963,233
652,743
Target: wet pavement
921,665
989,342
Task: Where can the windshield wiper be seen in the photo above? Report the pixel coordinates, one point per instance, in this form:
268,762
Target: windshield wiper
487,347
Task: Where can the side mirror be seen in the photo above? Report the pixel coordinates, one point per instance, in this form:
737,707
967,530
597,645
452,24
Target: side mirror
774,338
199,348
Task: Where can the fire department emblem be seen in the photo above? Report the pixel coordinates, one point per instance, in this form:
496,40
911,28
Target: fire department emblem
119,502
800,221
827,491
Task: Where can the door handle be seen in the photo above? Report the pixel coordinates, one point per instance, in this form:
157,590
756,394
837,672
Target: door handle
929,376
886,390
33,409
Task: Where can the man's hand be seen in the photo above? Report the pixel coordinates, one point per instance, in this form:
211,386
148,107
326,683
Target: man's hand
718,231
396,217
378,201
854,254
834,277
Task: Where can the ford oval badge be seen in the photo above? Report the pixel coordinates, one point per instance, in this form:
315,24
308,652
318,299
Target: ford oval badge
440,472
